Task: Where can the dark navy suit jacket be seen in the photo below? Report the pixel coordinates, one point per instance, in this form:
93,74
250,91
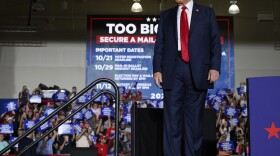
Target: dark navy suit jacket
204,46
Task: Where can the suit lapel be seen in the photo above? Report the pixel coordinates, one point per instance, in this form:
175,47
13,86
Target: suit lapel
194,19
174,21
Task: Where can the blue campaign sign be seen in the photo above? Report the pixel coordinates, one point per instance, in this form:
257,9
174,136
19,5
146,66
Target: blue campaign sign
127,118
41,118
82,99
222,91
210,96
127,108
241,90
45,126
35,99
11,106
77,127
122,107
160,104
218,99
3,103
226,146
98,99
216,105
78,116
60,96
12,139
48,94
65,129
48,111
216,102
154,103
263,107
107,111
7,128
93,138
244,111
88,114
28,124
104,98
231,111
233,121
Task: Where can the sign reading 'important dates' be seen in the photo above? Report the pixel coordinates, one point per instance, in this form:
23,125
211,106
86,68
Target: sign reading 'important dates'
121,48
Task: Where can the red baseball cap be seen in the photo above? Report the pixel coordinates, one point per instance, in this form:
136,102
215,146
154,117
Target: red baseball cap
102,137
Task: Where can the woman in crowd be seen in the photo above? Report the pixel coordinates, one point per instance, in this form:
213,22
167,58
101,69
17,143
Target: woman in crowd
3,143
95,109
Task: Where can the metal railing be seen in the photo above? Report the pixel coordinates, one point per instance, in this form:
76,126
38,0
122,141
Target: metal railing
82,92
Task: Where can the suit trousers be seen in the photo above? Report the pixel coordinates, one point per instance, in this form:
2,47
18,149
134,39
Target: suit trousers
183,114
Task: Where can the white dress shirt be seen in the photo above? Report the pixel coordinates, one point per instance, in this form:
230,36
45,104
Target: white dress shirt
189,14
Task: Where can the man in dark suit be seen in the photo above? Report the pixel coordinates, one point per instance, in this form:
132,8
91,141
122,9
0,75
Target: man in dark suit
186,62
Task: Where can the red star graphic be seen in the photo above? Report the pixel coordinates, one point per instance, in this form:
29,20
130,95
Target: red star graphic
272,131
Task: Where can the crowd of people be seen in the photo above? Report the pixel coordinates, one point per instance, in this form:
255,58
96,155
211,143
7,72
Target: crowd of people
231,123
99,130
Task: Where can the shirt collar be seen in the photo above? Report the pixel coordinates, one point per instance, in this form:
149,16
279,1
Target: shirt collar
189,6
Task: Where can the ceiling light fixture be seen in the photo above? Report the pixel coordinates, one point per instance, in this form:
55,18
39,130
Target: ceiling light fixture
233,9
136,7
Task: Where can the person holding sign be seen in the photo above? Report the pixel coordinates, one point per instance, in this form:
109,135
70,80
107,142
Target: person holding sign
110,132
100,129
221,152
83,139
65,142
186,62
45,145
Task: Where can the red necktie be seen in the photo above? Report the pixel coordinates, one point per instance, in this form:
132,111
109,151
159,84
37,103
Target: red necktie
184,34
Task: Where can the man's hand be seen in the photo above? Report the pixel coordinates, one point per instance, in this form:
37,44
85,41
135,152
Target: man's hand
158,79
213,75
